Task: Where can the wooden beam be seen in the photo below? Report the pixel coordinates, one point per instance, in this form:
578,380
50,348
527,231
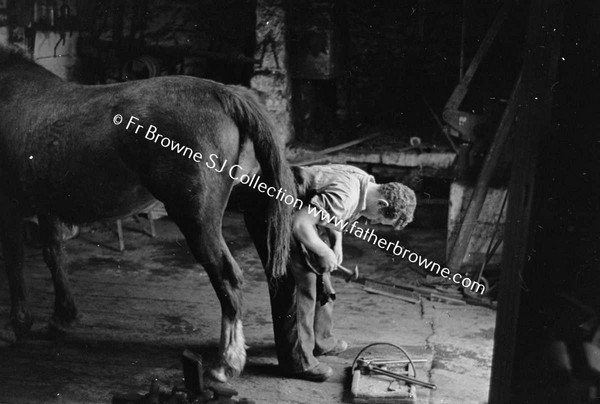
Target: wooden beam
463,34
469,222
460,91
539,73
321,154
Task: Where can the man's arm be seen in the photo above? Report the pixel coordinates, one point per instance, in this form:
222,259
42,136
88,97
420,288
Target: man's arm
335,236
305,231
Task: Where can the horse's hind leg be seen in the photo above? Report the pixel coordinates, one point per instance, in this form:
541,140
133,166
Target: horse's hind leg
65,311
201,224
11,237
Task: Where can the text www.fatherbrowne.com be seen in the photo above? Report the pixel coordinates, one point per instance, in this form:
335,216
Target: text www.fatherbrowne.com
151,134
413,257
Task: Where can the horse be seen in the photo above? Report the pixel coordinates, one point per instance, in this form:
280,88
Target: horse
72,153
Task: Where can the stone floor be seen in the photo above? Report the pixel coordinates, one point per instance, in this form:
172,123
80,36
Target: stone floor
142,307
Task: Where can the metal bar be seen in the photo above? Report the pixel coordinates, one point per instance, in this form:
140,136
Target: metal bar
390,294
394,362
398,376
441,126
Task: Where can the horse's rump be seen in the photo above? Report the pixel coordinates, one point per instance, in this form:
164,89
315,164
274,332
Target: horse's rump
85,153
60,151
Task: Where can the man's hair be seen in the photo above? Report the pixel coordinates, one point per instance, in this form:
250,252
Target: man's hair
402,203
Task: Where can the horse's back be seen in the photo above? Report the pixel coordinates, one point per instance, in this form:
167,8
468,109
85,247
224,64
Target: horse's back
62,151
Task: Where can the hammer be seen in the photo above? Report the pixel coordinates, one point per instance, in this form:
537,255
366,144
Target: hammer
352,275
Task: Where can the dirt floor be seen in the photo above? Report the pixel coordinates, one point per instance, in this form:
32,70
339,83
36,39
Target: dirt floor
141,308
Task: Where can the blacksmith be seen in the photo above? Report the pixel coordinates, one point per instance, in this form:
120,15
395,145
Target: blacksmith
302,301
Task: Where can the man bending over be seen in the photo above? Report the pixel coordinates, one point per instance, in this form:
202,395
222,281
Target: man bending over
302,301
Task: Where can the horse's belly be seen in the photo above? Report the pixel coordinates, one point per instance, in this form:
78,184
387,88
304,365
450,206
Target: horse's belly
82,178
95,198
80,210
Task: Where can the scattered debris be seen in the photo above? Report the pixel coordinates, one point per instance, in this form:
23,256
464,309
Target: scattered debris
412,294
194,391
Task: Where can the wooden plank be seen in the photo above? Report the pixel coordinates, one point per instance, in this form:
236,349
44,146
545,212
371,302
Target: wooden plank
460,91
469,222
319,156
539,75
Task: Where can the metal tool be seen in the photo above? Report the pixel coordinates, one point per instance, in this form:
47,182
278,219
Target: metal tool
366,365
352,275
398,362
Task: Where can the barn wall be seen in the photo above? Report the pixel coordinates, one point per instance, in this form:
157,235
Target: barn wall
217,40
375,62
270,75
397,55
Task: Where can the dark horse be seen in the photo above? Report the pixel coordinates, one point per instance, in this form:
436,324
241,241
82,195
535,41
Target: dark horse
63,159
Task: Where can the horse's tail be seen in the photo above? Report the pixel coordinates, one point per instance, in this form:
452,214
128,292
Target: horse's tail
254,121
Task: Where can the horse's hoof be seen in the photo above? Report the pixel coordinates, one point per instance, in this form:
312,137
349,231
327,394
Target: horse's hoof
16,330
223,370
7,335
58,326
65,314
219,374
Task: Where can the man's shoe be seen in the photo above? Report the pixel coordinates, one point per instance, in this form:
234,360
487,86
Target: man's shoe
340,346
318,373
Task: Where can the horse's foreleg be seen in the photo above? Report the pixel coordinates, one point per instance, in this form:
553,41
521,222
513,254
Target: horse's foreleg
65,310
206,242
11,236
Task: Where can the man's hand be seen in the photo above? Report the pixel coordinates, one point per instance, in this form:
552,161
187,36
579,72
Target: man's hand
305,231
328,261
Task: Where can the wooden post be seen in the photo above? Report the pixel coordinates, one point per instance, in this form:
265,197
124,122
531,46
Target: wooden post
463,34
459,93
469,222
539,72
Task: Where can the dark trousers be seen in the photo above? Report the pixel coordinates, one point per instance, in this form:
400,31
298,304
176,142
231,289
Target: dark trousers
300,323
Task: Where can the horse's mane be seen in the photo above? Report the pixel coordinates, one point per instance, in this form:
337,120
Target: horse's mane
12,55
